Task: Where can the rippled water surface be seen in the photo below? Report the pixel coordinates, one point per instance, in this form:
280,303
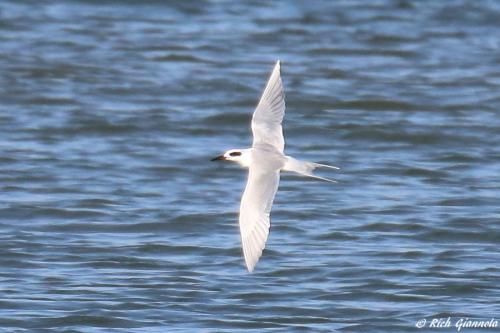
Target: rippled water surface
112,218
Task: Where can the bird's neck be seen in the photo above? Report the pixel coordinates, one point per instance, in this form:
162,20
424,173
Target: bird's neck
246,158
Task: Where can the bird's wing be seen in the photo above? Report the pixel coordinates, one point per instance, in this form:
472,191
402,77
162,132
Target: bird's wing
267,118
255,209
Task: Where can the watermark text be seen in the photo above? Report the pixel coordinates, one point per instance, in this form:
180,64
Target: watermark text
460,323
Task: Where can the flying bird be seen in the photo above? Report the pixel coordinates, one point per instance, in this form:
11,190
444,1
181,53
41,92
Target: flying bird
264,160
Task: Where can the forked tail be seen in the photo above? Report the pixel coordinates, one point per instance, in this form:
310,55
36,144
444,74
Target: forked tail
306,168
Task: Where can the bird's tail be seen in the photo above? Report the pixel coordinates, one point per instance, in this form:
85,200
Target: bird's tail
306,168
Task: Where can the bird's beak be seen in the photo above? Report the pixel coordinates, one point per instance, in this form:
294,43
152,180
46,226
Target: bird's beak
219,158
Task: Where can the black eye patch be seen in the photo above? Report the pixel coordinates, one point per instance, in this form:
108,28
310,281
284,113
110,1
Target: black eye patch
235,153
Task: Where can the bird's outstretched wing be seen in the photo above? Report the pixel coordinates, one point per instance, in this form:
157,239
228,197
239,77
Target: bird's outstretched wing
255,210
267,118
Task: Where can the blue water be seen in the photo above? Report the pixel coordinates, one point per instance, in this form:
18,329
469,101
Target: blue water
112,218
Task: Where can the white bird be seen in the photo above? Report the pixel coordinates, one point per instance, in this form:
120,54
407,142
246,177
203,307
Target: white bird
264,161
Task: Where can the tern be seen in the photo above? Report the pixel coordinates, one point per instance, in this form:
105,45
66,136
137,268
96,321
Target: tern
265,160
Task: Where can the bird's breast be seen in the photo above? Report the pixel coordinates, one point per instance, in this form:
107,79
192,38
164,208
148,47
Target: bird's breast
268,158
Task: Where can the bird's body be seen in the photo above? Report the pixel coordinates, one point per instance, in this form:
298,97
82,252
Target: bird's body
265,160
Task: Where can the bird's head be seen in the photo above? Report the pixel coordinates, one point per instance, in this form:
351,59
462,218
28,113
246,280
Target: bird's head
240,156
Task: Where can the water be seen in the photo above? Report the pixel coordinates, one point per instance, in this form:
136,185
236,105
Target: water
113,220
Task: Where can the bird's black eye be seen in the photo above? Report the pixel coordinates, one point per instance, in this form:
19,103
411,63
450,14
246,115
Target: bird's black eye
235,153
